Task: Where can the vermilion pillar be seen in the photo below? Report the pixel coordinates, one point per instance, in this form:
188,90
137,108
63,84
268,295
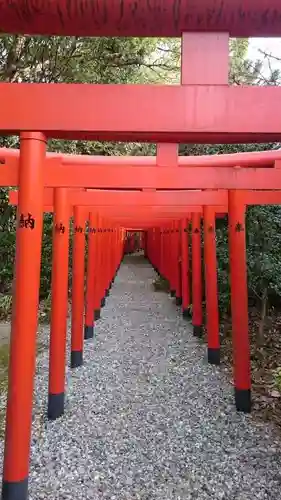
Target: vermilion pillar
145,238
205,61
97,296
239,301
107,239
184,269
197,314
211,289
90,291
24,317
102,261
78,270
59,304
173,260
178,263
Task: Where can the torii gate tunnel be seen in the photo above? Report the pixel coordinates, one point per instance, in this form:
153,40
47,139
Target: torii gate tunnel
160,197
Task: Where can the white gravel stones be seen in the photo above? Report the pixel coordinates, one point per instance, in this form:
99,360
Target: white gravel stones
146,416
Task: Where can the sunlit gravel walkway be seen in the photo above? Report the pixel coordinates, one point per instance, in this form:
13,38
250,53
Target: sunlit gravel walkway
146,417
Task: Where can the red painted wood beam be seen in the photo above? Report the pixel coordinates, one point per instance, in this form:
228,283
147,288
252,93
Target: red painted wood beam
172,212
158,221
118,199
249,159
188,113
161,201
123,177
168,18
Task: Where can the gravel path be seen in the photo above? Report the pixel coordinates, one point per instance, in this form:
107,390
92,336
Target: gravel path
147,418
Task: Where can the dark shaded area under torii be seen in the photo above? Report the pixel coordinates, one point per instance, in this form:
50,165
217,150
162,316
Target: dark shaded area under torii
240,18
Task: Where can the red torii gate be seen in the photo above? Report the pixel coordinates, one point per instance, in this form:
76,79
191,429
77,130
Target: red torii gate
202,109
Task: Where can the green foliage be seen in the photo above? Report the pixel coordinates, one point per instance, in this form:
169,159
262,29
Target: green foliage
5,306
277,378
264,247
263,238
223,264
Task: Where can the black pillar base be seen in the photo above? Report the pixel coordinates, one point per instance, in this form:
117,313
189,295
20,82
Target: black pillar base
214,355
186,314
102,302
243,400
55,406
197,330
173,293
178,301
76,359
107,292
96,314
17,490
88,332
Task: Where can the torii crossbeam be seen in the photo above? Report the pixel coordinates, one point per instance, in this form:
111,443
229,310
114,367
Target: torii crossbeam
154,18
58,174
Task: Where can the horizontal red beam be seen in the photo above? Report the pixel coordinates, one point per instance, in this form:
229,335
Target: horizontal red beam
172,212
132,212
151,220
191,113
118,199
168,18
161,201
59,175
254,159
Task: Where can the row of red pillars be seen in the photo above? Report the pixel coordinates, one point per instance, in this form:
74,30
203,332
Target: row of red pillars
168,249
105,251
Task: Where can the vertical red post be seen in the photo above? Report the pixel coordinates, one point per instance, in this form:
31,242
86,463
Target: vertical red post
184,272
211,288
178,263
115,242
162,250
90,287
78,271
107,257
111,249
170,257
59,304
24,317
145,238
205,60
239,301
167,156
173,260
97,298
197,313
103,258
